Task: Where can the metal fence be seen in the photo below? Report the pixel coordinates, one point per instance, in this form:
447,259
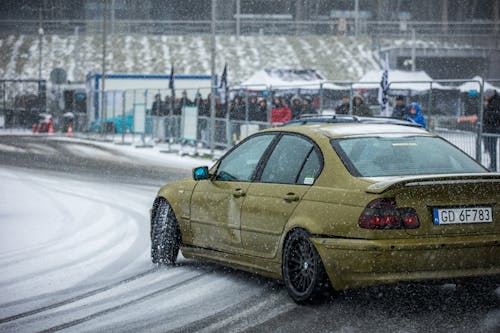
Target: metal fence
182,117
162,116
452,111
267,25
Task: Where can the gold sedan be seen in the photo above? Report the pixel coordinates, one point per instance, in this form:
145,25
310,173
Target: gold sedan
344,205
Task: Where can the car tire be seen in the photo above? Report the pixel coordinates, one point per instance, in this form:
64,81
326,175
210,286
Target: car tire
303,272
165,233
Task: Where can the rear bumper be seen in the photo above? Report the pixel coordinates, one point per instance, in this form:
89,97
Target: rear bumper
352,263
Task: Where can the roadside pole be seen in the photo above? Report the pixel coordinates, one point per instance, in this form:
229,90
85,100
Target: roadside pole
212,81
103,103
479,153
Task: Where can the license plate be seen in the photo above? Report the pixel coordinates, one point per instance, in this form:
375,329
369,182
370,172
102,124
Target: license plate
462,215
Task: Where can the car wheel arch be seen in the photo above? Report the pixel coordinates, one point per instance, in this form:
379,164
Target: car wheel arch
286,236
305,223
158,200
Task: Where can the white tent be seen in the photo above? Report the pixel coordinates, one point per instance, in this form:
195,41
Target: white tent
288,79
399,80
473,85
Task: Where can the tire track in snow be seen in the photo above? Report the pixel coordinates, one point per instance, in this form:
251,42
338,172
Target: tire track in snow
60,242
128,216
74,298
125,304
92,250
135,216
263,306
18,254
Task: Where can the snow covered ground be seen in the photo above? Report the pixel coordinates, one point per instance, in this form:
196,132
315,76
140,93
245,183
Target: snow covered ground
46,220
338,58
178,157
72,251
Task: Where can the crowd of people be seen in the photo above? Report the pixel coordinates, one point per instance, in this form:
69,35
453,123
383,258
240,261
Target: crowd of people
491,120
285,108
255,108
412,112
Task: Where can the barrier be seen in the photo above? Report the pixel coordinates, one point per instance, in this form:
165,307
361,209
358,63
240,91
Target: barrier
453,109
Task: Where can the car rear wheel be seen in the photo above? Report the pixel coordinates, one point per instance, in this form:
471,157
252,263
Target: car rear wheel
303,272
165,233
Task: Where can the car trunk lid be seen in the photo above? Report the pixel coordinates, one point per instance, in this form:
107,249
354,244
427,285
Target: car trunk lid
436,197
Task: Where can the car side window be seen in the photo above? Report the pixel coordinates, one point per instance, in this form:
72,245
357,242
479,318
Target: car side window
293,160
311,169
240,164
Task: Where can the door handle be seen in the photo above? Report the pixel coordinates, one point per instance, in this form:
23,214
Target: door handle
290,197
238,193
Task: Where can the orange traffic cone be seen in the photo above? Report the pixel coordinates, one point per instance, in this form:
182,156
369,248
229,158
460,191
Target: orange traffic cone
51,128
70,130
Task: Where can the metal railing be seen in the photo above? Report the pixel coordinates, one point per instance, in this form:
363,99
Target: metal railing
129,115
263,25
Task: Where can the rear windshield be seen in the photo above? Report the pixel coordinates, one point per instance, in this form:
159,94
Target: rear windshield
394,156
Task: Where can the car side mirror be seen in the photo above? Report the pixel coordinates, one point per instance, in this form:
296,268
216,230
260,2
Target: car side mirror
200,173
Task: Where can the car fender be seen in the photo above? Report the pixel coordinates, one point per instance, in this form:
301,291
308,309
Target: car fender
178,194
295,222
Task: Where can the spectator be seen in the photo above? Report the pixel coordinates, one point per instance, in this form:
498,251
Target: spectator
156,107
399,110
261,111
280,113
237,109
203,123
220,123
359,108
168,105
157,110
344,107
491,125
244,105
198,100
185,101
296,106
414,114
204,107
252,108
177,106
307,105
284,101
220,109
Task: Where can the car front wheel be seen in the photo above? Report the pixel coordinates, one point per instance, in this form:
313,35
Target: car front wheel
165,233
303,272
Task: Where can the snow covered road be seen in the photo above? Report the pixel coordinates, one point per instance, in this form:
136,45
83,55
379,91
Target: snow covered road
74,256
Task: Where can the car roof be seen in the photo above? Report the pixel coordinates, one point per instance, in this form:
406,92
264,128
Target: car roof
317,119
352,129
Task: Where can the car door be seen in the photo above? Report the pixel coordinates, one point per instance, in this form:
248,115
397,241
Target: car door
216,203
290,170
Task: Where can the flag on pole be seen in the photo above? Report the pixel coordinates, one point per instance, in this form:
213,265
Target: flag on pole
171,79
383,90
223,85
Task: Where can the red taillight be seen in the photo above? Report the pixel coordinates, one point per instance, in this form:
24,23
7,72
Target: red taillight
385,214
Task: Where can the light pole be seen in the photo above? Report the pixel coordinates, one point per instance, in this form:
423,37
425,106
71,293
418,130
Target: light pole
212,81
238,21
356,18
40,41
103,102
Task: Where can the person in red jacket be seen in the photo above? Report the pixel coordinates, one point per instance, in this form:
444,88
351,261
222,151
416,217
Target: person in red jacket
280,113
